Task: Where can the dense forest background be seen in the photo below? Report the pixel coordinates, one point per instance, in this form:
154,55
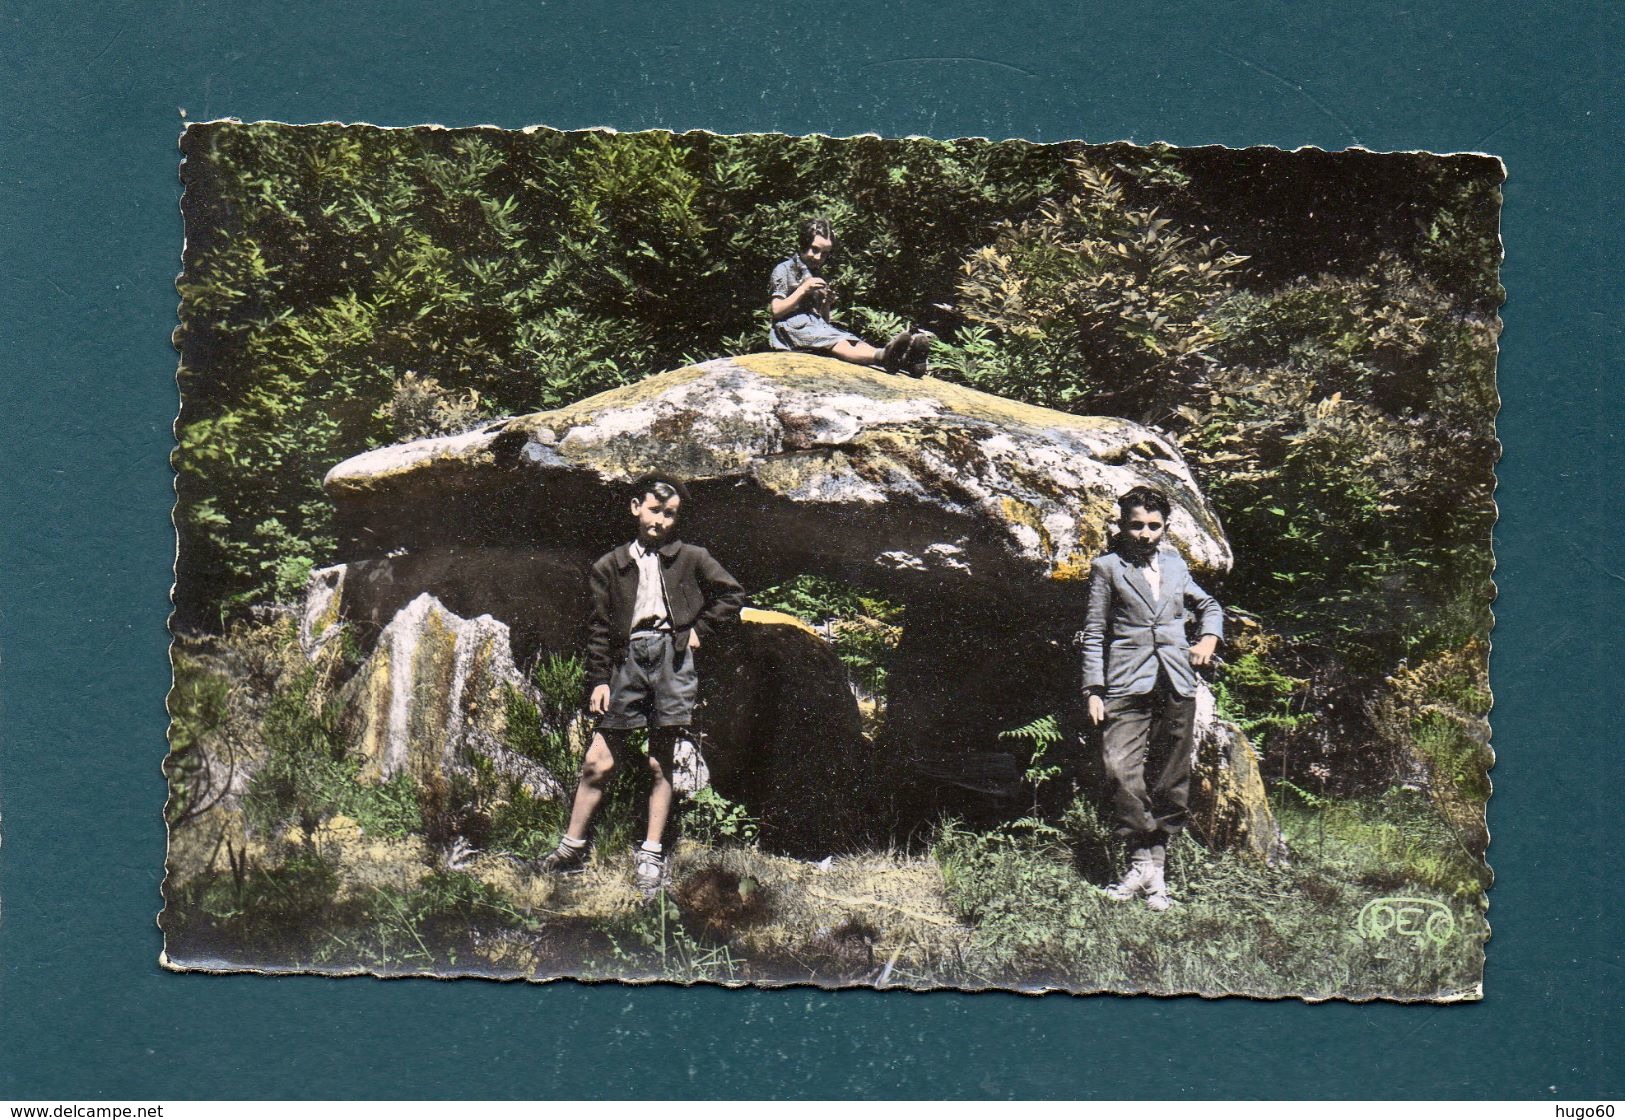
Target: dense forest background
1316,330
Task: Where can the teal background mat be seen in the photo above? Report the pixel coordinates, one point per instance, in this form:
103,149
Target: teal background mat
91,242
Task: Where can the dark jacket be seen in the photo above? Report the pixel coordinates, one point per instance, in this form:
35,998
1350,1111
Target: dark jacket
700,595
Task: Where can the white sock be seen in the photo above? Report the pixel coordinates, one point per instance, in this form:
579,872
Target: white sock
651,846
572,842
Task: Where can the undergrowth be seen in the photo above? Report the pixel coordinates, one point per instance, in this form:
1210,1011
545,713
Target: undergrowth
327,872
1239,925
310,776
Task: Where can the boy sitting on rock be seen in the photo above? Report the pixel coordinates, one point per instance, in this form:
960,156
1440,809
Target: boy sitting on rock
803,304
1139,671
653,601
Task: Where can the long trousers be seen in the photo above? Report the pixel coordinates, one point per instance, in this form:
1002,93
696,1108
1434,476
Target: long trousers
1149,735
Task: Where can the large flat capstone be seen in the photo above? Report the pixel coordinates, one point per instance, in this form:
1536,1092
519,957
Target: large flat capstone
797,463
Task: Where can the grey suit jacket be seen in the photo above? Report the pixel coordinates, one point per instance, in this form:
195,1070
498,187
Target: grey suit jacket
1127,635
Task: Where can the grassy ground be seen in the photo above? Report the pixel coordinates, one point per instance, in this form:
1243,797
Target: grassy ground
1013,907
1238,927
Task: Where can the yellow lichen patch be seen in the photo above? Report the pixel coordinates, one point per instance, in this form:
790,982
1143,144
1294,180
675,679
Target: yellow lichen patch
827,373
561,420
337,828
788,474
1023,514
985,406
1075,567
328,615
757,617
374,708
830,373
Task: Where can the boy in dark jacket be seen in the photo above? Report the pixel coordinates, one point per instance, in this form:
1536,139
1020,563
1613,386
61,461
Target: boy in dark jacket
653,601
1139,671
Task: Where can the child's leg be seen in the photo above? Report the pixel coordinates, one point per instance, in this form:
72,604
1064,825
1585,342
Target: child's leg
597,769
662,740
892,356
859,353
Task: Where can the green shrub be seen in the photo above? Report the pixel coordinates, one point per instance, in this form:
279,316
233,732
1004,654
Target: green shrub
1436,713
310,774
1108,303
306,777
419,407
198,705
1253,693
526,825
547,733
711,818
865,627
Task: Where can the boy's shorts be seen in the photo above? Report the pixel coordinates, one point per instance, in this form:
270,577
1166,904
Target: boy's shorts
655,686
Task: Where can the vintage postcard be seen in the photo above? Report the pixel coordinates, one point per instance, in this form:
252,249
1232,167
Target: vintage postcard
855,562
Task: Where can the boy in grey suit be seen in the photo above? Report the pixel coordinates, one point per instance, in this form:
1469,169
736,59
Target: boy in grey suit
1139,671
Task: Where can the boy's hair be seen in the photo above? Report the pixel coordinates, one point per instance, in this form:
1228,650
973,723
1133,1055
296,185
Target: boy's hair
815,227
663,486
1147,498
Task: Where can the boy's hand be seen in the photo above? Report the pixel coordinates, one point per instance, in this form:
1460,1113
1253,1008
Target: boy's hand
1202,652
693,640
1097,709
599,704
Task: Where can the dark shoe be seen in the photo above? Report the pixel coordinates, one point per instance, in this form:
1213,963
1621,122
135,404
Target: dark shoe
896,351
565,860
917,363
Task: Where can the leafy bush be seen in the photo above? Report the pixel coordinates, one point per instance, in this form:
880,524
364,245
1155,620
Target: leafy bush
1104,305
1252,692
310,775
1349,441
419,408
864,627
307,776
1437,714
711,818
554,735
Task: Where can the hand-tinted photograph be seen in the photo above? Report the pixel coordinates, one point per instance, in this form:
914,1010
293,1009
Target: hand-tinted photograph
899,563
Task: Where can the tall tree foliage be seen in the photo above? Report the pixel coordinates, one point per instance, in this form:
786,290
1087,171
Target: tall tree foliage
1101,304
327,266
